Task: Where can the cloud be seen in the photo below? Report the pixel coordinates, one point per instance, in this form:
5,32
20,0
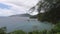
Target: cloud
17,9
26,3
17,6
14,9
5,12
4,6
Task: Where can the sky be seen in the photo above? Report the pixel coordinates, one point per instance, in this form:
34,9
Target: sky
12,7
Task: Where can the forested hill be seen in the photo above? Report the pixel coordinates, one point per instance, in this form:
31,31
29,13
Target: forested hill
21,15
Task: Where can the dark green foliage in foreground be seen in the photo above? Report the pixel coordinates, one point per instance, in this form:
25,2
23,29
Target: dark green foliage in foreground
3,30
17,32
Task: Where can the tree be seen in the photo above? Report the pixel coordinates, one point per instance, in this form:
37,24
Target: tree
17,32
51,10
3,30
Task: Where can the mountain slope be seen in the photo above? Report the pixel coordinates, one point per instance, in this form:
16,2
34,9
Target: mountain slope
21,15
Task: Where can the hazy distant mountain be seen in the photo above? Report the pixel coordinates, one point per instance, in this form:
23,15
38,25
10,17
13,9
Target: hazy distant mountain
21,15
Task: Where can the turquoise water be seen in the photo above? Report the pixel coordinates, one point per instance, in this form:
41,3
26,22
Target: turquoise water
23,23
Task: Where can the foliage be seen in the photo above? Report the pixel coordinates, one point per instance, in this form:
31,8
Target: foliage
17,32
3,30
51,10
33,17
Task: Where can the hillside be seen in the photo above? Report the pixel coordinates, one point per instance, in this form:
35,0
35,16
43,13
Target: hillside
21,15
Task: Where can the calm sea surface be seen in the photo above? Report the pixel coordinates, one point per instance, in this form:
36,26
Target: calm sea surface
23,23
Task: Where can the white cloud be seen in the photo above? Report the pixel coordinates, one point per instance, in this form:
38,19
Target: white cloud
2,0
13,10
4,12
18,6
26,3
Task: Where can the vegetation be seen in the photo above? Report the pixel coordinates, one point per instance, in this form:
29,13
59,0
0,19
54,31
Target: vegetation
51,10
17,32
3,30
33,17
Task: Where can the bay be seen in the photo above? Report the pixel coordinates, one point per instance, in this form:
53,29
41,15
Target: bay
23,23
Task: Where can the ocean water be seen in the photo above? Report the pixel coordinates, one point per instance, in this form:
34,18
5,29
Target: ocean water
23,23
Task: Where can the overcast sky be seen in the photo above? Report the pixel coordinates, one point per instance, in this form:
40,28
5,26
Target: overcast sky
12,7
